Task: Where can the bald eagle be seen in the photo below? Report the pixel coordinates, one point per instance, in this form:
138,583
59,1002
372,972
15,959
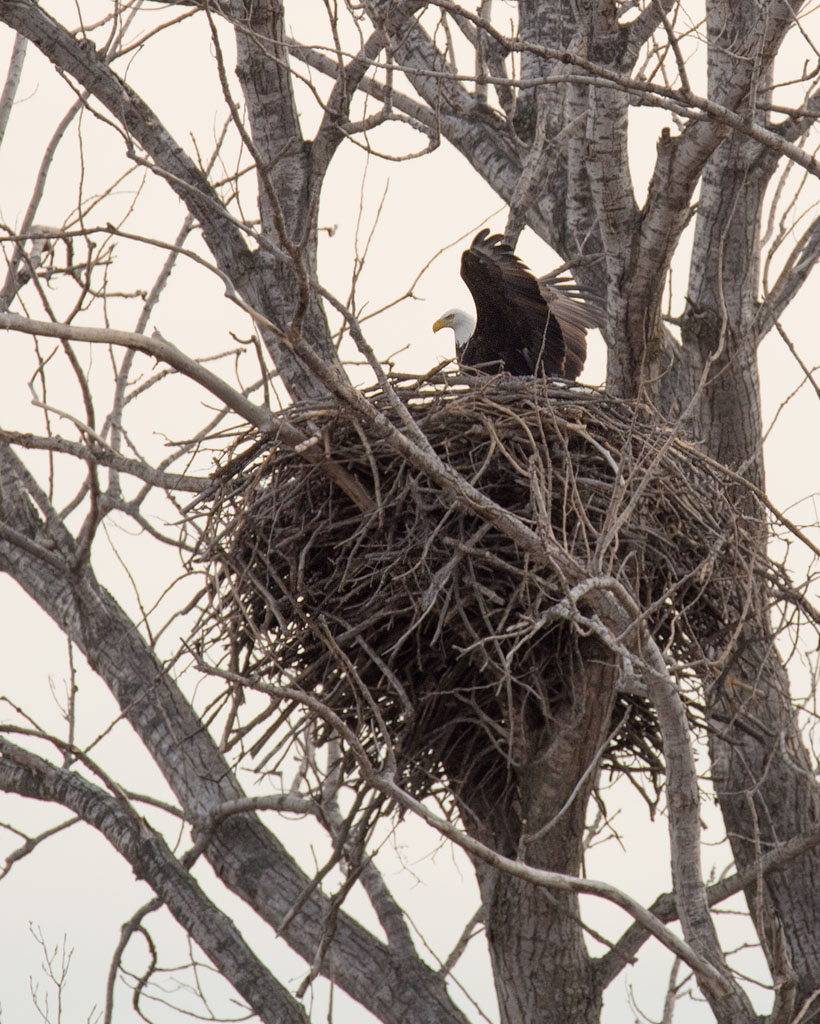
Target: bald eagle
524,325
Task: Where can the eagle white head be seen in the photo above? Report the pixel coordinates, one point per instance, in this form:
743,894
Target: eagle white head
462,324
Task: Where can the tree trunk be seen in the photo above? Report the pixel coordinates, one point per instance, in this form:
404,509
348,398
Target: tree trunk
761,770
543,973
768,795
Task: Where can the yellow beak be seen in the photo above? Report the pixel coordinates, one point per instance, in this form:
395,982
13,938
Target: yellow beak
441,322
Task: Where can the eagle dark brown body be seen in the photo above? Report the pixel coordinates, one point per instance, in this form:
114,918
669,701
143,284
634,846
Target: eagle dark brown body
524,325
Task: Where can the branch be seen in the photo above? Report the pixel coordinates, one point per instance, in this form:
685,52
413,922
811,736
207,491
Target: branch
257,415
388,910
25,774
723,113
80,60
245,855
664,908
641,29
800,263
224,238
103,455
348,79
378,90
18,56
478,850
729,1003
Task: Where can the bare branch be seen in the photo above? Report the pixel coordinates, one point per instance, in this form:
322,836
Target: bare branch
26,774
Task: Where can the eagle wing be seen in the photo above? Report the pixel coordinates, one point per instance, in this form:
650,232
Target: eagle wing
515,330
576,314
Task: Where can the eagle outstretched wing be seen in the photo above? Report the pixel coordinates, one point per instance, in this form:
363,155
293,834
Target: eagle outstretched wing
523,325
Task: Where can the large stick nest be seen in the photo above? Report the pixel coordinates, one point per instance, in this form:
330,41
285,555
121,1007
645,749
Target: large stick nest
427,630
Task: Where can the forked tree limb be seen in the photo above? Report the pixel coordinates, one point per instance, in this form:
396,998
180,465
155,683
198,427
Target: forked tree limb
245,855
28,775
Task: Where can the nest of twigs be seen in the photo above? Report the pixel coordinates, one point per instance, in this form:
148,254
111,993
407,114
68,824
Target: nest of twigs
426,630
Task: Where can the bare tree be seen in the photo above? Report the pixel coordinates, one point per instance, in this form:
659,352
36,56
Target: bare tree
544,99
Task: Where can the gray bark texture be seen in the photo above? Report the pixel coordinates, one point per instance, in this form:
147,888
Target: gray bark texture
553,141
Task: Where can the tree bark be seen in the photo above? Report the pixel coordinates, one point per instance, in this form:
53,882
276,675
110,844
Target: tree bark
761,770
534,809
288,188
768,795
